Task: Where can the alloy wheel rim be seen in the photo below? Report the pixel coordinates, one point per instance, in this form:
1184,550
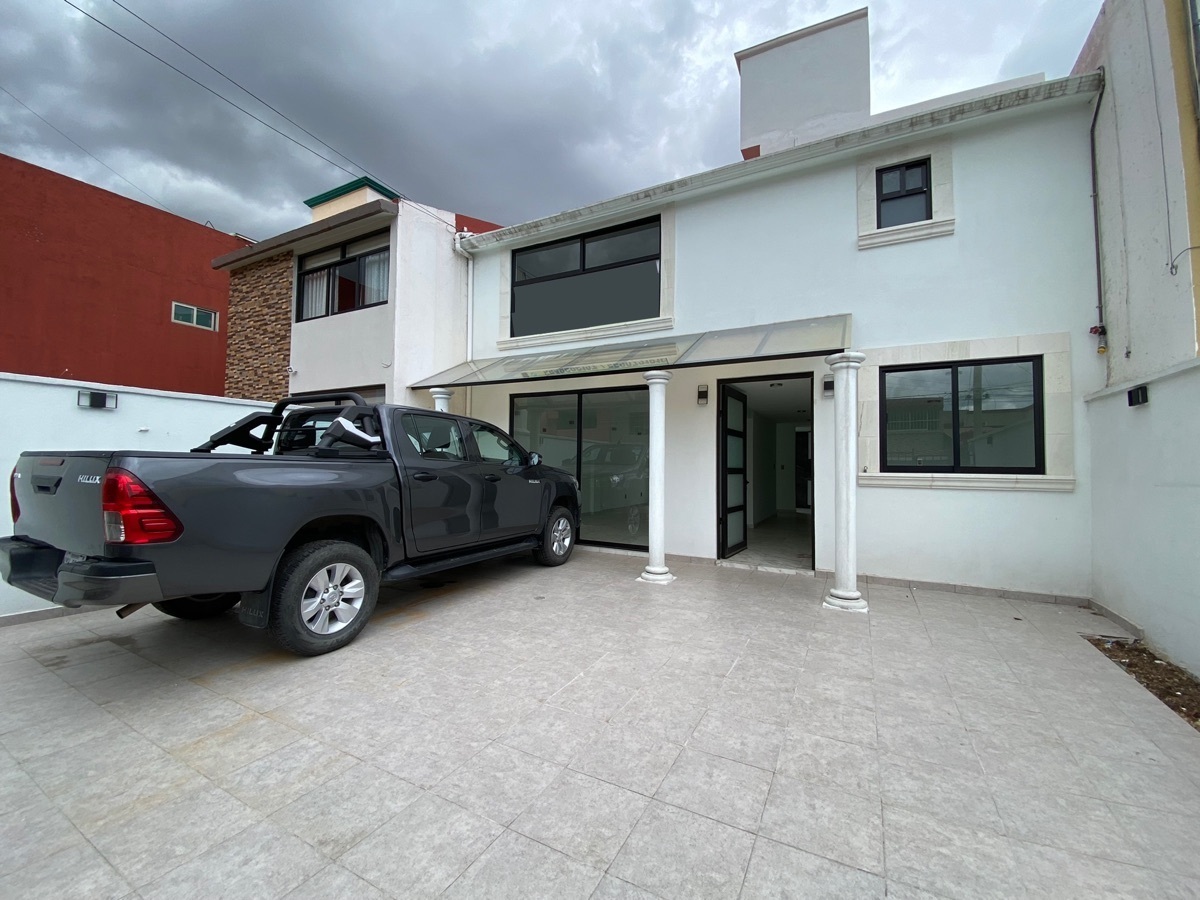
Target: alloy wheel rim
332,598
560,537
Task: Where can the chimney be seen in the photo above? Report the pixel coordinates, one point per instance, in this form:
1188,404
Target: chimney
807,85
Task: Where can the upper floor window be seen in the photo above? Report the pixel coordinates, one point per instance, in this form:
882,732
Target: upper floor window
903,194
604,278
185,314
983,417
343,278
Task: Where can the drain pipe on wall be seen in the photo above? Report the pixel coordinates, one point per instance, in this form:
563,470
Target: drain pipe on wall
458,248
1099,328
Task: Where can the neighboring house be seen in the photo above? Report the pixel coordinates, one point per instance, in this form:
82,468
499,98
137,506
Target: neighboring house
1145,461
369,297
97,287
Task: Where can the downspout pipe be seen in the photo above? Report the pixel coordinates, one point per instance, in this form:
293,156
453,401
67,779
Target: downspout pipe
1096,210
466,254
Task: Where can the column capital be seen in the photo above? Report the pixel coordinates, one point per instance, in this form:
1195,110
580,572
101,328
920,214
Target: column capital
657,376
850,359
441,392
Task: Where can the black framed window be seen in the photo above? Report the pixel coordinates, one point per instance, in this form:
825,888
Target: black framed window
980,416
903,194
603,278
340,279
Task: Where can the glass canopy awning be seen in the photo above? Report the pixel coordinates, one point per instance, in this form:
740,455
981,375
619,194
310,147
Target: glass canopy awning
781,340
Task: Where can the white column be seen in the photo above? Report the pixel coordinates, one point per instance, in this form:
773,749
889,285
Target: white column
441,398
656,569
845,594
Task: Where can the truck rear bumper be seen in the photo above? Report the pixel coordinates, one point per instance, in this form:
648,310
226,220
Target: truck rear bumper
44,572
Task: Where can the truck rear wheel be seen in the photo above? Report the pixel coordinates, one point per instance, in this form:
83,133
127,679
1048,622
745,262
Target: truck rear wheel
558,540
201,606
324,594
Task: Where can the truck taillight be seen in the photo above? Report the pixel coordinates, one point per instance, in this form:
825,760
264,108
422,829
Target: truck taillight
12,495
133,514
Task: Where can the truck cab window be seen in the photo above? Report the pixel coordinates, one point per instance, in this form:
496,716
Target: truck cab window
494,447
434,437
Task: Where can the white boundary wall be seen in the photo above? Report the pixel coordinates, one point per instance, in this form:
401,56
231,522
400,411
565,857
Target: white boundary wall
43,414
1146,510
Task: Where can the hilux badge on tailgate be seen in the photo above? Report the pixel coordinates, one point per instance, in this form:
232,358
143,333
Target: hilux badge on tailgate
89,479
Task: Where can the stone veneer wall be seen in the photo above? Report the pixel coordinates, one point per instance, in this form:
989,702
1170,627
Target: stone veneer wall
259,329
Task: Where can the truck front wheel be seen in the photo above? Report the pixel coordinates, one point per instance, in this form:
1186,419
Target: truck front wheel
201,606
558,540
324,594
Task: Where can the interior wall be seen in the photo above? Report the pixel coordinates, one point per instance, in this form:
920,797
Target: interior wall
785,466
763,472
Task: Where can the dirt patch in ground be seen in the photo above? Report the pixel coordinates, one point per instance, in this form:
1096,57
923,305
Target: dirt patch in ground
1165,680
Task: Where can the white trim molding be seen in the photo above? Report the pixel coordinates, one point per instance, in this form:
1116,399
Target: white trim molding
662,323
1058,410
941,178
966,482
899,234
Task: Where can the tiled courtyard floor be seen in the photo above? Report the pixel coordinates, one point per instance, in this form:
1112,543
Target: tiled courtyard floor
525,732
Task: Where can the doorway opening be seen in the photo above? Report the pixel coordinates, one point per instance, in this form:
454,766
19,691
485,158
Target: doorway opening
765,471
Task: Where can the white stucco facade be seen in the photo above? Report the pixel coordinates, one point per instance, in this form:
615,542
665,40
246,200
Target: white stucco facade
1016,275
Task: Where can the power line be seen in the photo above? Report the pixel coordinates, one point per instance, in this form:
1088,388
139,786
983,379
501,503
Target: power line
241,87
244,89
88,152
201,84
241,109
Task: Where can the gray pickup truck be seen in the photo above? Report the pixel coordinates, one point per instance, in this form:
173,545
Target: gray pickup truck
331,501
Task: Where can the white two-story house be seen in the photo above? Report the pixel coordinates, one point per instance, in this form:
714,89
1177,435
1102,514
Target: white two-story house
921,281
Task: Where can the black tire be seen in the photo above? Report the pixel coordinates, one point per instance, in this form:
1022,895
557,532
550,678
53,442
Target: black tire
301,607
553,552
201,606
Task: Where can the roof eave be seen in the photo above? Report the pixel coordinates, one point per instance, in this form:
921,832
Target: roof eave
725,177
376,209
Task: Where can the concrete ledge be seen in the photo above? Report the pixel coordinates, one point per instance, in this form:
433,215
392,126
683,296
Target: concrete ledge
37,615
977,591
1133,629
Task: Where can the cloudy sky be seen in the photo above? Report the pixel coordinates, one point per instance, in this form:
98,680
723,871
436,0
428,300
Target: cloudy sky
504,109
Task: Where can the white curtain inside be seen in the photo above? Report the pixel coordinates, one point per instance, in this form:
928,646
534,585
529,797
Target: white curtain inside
316,294
375,278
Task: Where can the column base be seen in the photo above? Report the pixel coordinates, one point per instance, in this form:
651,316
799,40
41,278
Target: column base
847,601
655,575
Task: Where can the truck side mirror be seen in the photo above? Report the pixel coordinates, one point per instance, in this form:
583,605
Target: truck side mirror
535,459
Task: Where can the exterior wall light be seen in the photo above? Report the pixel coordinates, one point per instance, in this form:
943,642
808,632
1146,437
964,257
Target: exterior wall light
827,387
702,395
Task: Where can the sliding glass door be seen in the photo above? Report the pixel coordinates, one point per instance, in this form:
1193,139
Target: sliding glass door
602,438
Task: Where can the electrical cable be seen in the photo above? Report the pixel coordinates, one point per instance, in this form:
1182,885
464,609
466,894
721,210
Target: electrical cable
273,109
216,94
88,152
244,89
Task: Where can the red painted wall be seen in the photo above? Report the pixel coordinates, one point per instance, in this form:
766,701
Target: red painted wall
474,225
86,283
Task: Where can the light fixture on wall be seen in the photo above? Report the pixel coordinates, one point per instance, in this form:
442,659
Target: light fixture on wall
702,395
827,387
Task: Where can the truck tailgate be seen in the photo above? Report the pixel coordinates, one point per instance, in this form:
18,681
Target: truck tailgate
59,497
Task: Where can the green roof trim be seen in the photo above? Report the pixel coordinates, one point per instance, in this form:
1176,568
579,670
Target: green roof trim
349,187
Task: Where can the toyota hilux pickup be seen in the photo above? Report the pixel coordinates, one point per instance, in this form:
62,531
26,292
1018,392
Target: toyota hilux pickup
334,498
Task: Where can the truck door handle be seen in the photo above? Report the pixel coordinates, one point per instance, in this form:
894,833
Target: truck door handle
491,477
424,476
